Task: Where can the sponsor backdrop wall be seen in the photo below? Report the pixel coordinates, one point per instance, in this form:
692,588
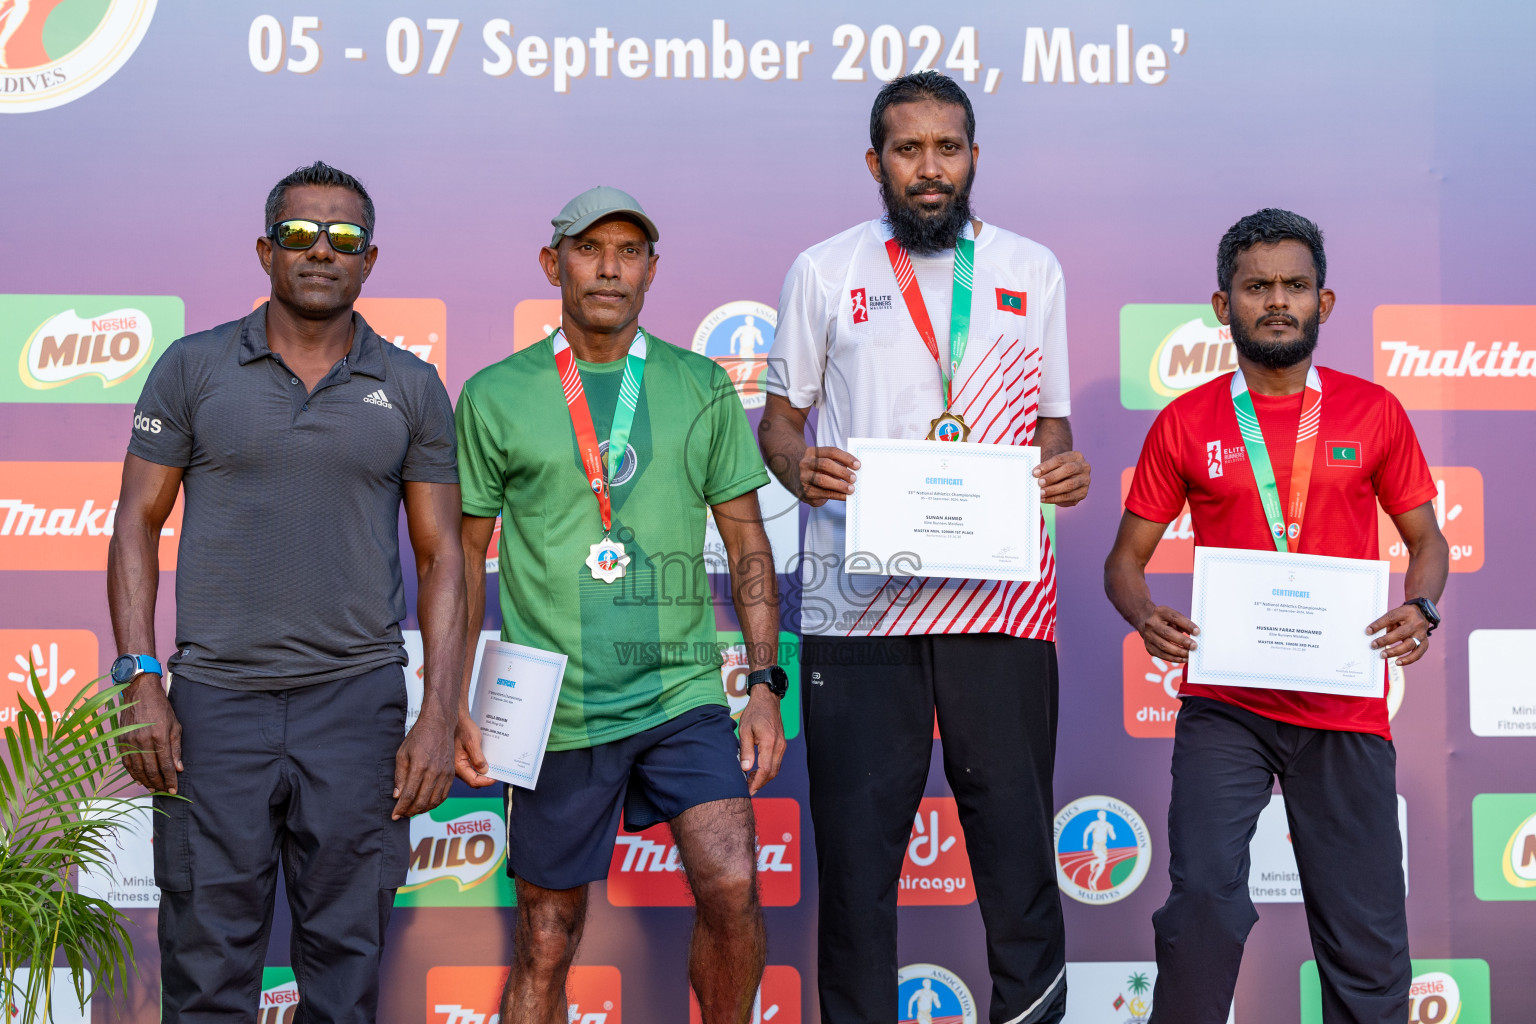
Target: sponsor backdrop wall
140,140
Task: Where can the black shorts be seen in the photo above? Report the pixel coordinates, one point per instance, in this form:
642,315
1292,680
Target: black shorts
561,835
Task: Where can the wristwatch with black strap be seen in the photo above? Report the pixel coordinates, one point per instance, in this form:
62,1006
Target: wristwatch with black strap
1427,608
772,677
130,666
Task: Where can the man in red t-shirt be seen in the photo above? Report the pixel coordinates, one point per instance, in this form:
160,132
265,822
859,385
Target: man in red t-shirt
1333,754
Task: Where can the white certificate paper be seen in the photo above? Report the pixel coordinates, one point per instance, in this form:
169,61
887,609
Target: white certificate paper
1287,621
944,508
515,697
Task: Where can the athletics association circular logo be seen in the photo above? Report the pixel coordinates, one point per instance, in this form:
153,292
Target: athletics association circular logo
52,52
738,336
929,994
626,471
1102,850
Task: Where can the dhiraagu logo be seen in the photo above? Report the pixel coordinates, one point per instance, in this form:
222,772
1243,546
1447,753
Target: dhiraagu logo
459,855
1504,846
1168,348
83,348
1442,992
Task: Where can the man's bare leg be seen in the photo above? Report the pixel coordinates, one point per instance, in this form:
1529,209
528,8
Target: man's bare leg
717,841
549,927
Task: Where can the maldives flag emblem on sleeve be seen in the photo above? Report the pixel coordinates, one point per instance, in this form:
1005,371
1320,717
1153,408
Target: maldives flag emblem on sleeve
1344,453
1012,302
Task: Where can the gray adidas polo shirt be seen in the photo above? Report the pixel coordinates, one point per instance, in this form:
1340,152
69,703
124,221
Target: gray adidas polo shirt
289,568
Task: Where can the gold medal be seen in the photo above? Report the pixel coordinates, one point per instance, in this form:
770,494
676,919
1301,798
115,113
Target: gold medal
607,560
949,427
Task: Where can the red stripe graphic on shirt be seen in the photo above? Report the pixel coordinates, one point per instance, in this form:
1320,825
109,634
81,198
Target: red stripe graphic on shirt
907,583
1003,417
1000,397
869,606
896,621
937,592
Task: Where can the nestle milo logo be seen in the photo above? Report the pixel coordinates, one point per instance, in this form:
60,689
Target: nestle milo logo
80,348
458,856
1167,349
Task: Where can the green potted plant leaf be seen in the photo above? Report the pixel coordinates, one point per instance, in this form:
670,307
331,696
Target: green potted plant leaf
61,802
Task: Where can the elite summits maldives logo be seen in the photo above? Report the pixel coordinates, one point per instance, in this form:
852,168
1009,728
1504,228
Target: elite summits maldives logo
53,52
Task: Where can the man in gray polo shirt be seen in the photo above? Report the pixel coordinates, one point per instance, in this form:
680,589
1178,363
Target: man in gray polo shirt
296,433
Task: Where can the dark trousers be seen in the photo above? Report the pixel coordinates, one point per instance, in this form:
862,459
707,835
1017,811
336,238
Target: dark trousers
869,709
1341,802
301,776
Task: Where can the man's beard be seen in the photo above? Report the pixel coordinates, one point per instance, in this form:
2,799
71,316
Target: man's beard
926,233
1275,355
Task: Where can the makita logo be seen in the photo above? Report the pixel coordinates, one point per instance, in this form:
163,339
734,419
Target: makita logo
68,346
641,854
1473,360
24,520
58,516
647,869
1457,357
471,995
464,850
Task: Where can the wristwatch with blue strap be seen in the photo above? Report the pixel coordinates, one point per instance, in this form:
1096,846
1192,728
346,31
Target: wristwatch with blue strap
130,666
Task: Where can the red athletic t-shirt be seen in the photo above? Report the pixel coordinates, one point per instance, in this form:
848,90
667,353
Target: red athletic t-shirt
1367,451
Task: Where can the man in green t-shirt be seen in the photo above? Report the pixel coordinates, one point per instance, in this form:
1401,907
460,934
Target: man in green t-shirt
601,559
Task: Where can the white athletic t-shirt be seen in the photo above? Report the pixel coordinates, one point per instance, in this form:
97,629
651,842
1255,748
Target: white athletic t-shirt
846,344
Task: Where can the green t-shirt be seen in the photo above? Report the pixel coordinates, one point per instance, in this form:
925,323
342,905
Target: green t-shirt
641,650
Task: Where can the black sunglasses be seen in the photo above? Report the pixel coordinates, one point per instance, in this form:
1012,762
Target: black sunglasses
302,234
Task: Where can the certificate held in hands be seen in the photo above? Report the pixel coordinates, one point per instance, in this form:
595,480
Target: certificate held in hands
514,706
1286,621
944,508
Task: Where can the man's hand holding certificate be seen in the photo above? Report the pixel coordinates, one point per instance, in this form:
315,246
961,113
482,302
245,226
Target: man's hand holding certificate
1287,621
952,509
514,706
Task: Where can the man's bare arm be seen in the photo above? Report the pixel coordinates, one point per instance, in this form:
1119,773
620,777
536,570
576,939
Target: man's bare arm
1429,563
814,475
152,753
1063,472
475,534
755,593
1166,633
424,764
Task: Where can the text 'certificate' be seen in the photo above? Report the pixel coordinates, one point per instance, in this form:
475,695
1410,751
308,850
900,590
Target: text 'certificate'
1286,621
515,697
944,508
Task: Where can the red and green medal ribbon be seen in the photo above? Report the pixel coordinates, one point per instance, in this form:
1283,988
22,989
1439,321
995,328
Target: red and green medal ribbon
1284,524
959,309
599,477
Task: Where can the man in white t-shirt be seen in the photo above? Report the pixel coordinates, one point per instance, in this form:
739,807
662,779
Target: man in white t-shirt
882,654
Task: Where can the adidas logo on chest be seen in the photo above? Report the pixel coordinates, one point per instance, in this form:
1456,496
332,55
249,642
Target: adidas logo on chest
378,398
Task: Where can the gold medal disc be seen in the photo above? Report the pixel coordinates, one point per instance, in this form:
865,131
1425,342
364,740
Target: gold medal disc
949,427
